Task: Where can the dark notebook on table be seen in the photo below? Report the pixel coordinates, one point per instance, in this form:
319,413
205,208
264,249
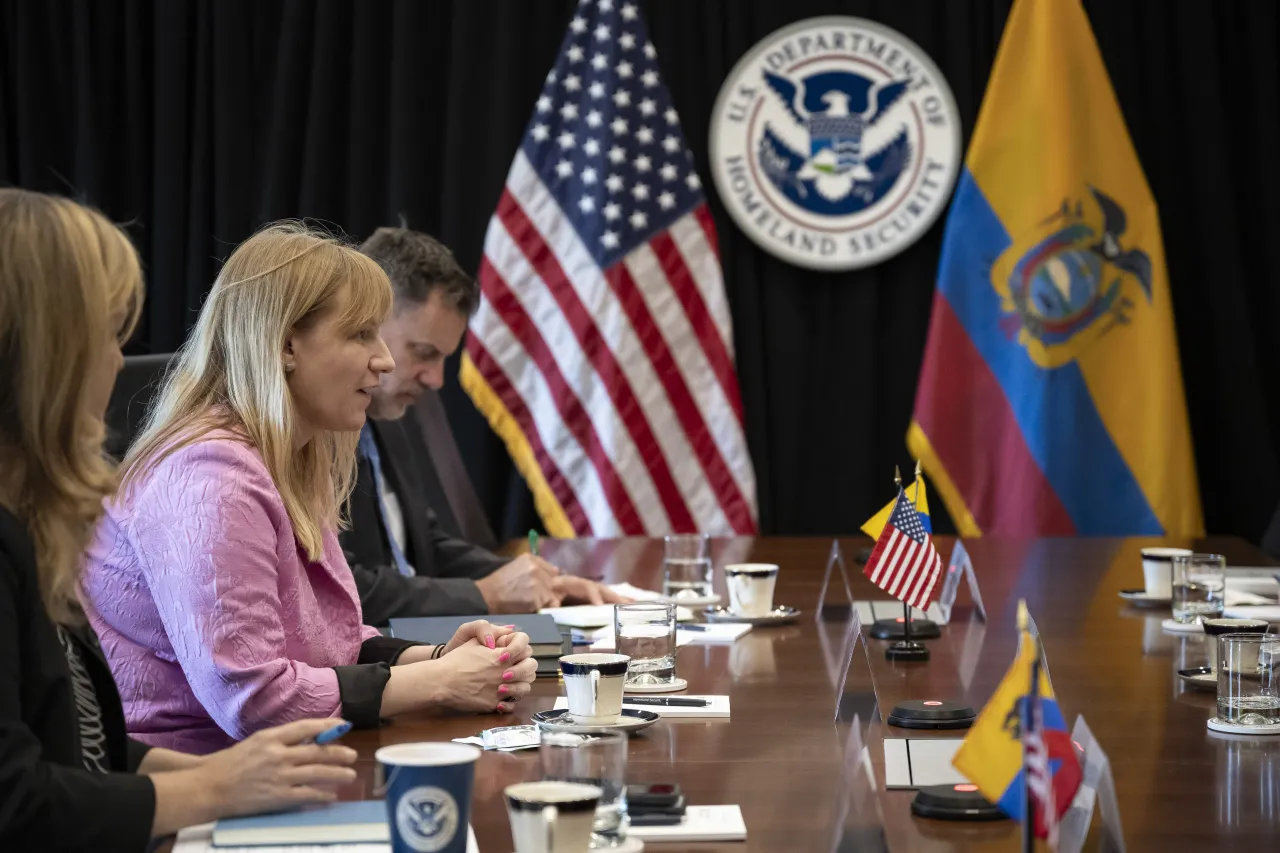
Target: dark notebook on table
544,634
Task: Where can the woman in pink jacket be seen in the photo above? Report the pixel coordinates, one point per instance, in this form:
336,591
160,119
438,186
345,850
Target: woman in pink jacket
215,581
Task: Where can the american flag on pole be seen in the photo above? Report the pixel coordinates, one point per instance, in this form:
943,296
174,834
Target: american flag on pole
1044,807
602,351
904,562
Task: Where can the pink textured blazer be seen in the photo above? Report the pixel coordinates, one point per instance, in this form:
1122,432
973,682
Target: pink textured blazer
212,618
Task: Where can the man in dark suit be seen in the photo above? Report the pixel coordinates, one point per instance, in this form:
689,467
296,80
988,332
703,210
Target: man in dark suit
404,561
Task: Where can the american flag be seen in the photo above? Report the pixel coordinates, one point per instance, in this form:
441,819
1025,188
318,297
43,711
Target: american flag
1035,756
904,562
602,351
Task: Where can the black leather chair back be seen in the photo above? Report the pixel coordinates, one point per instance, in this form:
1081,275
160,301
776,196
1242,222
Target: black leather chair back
135,388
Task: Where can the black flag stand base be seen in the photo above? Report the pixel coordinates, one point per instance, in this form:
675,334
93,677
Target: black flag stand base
892,629
906,649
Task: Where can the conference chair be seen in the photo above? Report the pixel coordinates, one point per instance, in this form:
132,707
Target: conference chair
136,385
449,487
1271,539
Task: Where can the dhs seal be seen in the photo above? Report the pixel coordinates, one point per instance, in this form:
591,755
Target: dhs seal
427,818
835,143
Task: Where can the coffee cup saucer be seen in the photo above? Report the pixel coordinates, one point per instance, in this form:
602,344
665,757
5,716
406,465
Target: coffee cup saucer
1199,678
631,720
778,616
1175,627
1140,598
665,687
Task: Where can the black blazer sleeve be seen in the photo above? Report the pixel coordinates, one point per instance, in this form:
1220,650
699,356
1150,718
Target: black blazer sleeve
386,594
43,805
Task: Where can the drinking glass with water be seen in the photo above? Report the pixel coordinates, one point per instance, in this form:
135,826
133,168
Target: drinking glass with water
646,633
1199,581
1248,690
686,567
598,759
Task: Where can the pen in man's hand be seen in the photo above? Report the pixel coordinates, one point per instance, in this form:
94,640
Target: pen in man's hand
330,735
533,542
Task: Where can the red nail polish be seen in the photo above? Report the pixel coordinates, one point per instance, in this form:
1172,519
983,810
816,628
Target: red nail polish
504,657
502,689
501,710
488,641
508,675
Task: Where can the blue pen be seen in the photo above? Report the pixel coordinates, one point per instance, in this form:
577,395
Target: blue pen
692,628
330,735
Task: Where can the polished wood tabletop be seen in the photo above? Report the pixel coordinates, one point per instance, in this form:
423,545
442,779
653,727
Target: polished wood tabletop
781,755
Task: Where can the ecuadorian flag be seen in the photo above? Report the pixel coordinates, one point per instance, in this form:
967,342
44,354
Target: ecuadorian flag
917,495
991,756
1050,399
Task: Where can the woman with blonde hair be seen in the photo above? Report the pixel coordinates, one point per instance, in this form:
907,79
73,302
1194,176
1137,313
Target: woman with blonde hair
216,581
70,778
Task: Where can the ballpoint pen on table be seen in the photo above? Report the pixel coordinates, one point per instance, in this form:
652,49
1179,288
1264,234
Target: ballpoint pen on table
671,701
693,627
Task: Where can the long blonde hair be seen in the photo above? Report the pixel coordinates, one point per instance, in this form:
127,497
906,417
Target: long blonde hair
230,372
65,272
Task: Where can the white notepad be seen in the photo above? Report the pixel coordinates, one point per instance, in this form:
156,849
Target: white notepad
718,709
596,615
607,642
701,823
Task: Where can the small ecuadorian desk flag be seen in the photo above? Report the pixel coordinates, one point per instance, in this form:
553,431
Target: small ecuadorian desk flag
1011,734
1050,398
915,493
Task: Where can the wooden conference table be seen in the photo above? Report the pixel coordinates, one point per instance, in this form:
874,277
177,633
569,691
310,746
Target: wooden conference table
780,756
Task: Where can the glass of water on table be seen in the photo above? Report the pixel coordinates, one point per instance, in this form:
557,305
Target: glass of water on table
686,567
599,759
646,632
1199,583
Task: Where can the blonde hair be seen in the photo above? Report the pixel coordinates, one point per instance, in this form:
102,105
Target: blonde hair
65,272
230,372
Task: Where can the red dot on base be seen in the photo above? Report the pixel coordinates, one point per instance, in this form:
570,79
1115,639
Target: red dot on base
932,704
966,789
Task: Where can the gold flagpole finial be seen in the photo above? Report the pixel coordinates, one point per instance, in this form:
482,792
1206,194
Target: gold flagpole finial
897,477
917,469
1023,615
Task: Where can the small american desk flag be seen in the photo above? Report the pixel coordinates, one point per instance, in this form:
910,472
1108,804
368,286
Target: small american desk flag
602,351
904,562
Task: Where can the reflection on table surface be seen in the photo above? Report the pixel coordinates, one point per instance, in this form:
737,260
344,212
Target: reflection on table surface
781,756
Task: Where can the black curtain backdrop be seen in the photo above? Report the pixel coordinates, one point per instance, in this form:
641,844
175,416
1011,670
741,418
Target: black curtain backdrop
195,121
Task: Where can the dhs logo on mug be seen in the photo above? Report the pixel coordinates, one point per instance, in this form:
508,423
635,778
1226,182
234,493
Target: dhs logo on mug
835,143
427,818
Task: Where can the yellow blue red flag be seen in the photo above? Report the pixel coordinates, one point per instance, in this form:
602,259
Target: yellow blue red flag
1050,399
916,495
991,756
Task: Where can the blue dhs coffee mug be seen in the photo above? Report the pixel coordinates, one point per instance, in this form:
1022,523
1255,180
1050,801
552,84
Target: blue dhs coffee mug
428,790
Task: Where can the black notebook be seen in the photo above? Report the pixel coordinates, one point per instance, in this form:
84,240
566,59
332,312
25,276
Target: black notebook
544,635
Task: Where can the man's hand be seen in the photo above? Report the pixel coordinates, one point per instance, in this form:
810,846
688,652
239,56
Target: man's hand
525,585
575,590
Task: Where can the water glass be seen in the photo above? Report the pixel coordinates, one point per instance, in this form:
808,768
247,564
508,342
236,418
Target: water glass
646,633
686,567
1199,581
600,760
1248,690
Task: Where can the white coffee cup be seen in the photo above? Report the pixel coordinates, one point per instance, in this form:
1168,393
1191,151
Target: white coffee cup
551,817
593,683
751,588
1157,570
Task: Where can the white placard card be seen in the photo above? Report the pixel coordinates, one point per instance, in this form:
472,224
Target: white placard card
835,560
1097,787
960,564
